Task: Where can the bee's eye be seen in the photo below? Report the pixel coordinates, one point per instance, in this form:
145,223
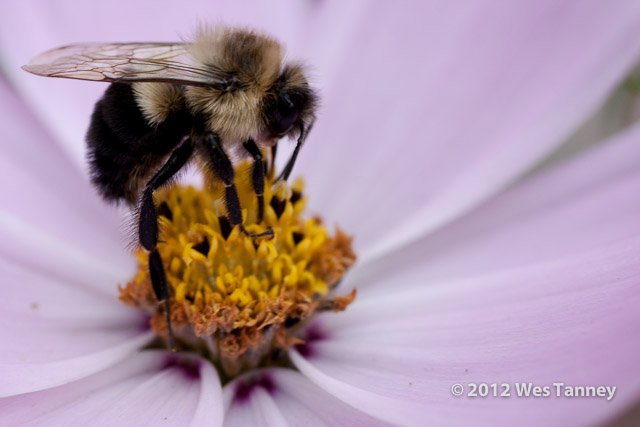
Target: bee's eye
285,115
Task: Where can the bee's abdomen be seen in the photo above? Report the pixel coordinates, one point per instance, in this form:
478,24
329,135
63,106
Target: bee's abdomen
123,149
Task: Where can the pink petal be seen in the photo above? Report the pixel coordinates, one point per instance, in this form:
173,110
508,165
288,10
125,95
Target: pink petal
150,388
578,206
280,397
61,259
55,331
573,321
433,108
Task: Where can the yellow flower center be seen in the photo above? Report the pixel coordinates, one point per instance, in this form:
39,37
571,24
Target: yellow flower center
236,300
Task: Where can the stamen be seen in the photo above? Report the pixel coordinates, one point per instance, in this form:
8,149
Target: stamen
238,301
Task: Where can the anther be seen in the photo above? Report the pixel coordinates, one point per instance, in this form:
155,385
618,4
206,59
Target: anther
281,194
203,247
165,211
225,227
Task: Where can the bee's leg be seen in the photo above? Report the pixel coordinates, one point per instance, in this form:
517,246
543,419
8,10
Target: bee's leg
222,166
257,174
272,168
292,160
148,227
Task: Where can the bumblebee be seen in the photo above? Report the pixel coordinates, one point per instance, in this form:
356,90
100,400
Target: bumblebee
227,92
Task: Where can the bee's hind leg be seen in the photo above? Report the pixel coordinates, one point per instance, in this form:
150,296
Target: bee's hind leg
219,162
257,174
148,227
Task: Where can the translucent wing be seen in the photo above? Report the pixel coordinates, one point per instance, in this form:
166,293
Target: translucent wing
130,62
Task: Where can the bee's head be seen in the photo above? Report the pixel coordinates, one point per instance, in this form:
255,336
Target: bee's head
258,97
290,104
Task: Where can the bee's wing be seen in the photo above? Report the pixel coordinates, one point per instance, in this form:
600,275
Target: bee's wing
130,62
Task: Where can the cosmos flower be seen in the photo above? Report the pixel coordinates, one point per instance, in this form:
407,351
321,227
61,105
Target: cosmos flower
468,273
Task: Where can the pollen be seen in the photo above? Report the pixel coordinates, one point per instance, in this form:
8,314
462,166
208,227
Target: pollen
241,301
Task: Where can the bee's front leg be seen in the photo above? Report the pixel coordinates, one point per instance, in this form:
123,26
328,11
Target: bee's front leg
148,227
219,162
294,156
